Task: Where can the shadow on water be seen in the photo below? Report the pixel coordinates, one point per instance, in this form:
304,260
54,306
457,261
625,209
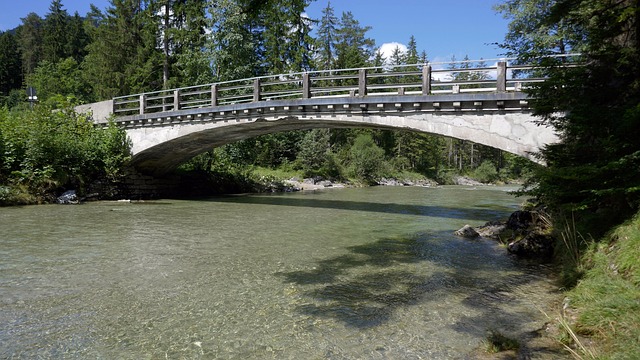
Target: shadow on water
363,288
362,301
479,214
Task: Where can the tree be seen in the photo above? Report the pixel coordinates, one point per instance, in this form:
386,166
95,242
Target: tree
181,36
531,36
123,57
595,107
327,37
60,82
234,44
77,40
366,159
10,64
30,42
56,35
353,48
287,43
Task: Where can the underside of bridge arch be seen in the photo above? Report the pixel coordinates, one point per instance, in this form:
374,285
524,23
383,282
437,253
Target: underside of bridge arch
158,150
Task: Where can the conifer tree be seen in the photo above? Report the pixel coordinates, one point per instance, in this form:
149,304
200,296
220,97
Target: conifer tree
327,37
353,48
55,37
592,171
10,64
30,42
123,57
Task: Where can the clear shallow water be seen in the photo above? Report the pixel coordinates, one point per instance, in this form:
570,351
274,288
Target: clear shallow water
372,273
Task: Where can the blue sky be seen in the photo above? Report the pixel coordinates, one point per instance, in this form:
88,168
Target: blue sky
443,28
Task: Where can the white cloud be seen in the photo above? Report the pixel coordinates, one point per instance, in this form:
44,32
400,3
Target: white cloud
387,49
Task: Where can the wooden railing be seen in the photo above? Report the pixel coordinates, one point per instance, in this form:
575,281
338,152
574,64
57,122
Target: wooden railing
417,79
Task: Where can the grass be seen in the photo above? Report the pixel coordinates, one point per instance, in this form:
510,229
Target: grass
607,298
497,342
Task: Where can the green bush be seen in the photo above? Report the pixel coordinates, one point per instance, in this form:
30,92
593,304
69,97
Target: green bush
46,150
486,172
366,159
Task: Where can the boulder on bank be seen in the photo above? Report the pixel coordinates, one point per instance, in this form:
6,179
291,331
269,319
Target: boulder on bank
463,180
68,197
528,234
533,245
531,238
492,229
467,232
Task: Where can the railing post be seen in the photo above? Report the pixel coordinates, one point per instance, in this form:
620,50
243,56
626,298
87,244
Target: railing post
362,82
143,103
214,95
306,86
176,100
256,90
501,84
426,80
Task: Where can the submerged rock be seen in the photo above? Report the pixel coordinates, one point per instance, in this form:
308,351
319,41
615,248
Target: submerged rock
467,232
492,229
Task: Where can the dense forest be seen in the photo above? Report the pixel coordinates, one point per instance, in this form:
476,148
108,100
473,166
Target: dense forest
135,46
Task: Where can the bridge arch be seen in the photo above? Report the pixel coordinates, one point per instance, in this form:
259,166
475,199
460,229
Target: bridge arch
163,141
168,127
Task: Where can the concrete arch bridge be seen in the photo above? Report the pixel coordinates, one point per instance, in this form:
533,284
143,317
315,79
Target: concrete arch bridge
480,104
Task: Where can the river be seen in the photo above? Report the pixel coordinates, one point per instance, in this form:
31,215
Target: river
365,273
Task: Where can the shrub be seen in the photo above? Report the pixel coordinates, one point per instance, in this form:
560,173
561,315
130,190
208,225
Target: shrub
486,172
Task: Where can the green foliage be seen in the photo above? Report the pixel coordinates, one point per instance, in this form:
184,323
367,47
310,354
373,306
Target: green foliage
62,79
592,172
353,48
486,172
123,57
44,150
315,152
10,64
497,342
30,42
366,160
607,296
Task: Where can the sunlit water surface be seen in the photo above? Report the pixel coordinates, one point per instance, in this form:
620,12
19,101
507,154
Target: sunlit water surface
371,273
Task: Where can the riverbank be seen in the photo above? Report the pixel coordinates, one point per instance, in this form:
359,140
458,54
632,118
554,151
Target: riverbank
603,309
600,315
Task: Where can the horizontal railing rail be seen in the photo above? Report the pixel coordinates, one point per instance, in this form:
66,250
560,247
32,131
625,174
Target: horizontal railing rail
425,79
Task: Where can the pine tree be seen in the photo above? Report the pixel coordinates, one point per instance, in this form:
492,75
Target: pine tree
123,57
287,43
191,57
592,171
55,38
10,64
530,36
30,42
353,48
327,37
234,44
77,39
